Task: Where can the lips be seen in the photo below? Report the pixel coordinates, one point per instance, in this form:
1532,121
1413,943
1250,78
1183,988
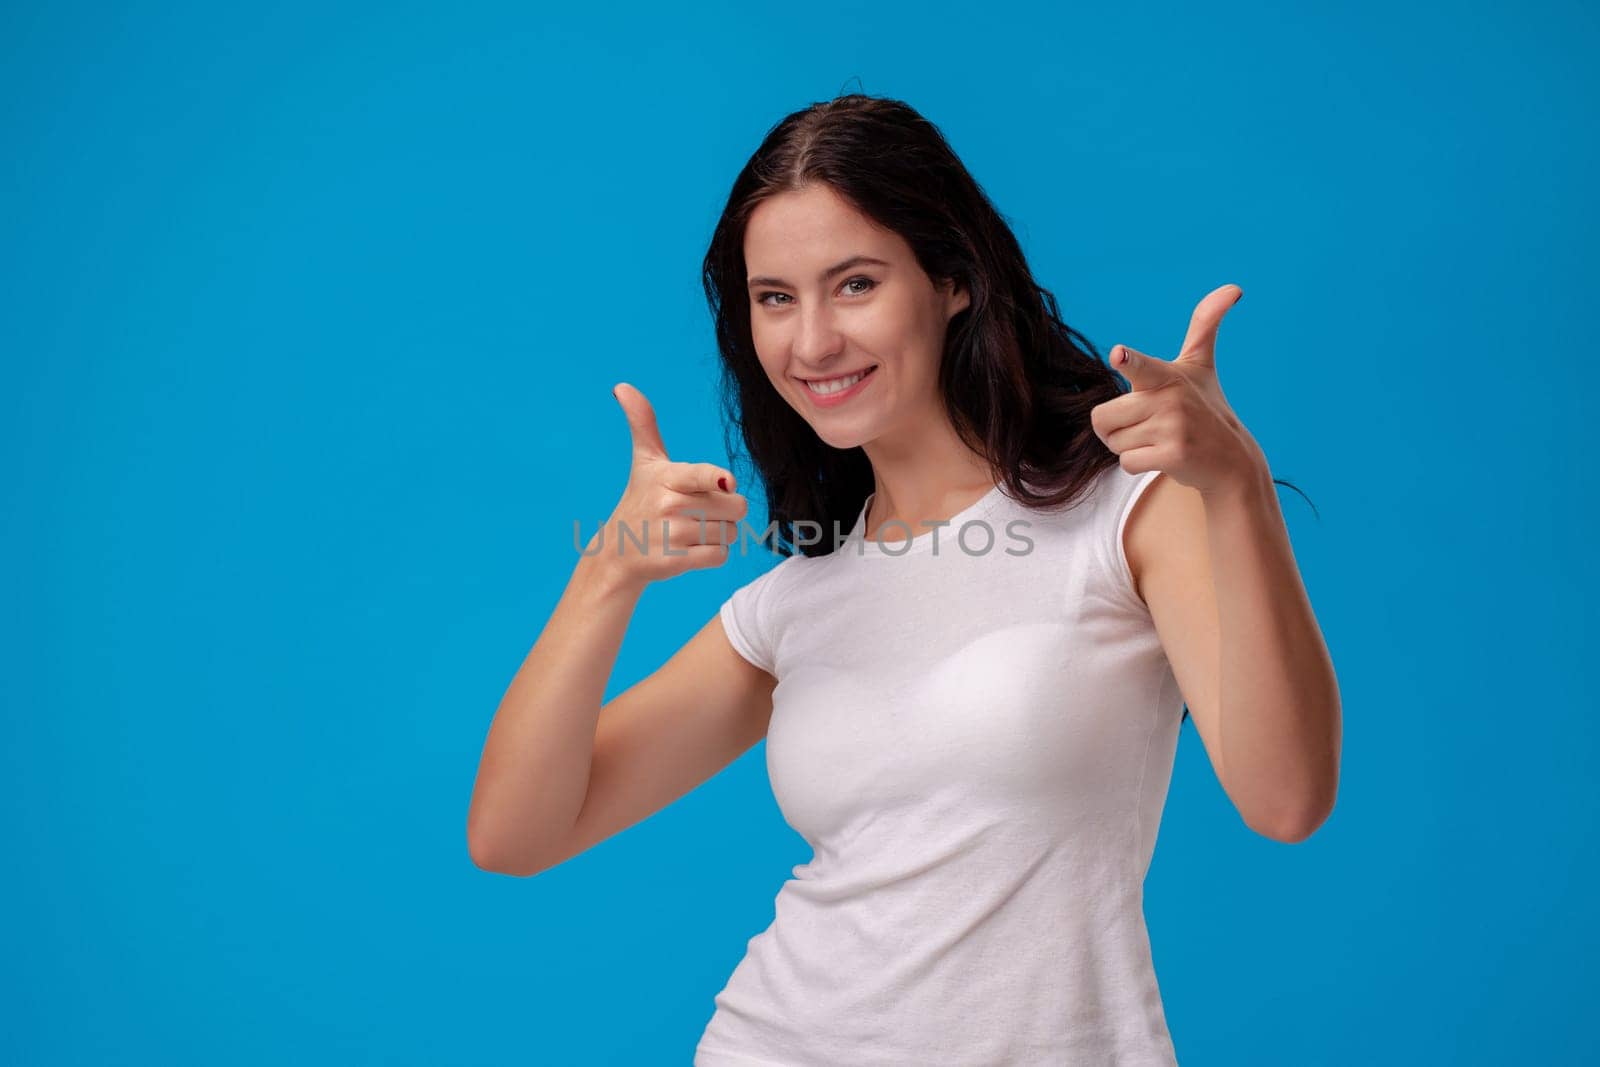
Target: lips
863,380
841,377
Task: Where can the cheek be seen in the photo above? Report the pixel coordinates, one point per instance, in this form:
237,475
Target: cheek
770,364
895,330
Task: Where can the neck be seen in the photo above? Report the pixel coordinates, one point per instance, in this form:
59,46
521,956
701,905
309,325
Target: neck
929,480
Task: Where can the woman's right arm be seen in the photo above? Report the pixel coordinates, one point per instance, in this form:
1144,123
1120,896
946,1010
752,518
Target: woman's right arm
558,772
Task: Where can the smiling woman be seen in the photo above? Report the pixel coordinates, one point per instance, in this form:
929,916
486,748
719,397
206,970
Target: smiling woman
976,743
895,361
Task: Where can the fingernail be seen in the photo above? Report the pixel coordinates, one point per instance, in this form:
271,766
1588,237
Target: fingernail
722,483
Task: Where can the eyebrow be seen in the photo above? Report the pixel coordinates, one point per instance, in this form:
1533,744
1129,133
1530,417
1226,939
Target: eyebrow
838,268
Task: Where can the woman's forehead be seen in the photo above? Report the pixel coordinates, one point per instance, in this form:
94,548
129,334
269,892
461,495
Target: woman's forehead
809,231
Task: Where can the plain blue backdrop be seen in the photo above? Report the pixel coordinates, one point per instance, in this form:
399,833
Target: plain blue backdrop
310,318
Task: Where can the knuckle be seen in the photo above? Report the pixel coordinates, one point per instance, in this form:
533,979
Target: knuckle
665,500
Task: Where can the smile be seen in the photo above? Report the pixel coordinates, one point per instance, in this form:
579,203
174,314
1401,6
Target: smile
836,388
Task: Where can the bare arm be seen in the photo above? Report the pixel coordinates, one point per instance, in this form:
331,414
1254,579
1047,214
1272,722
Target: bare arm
535,766
659,739
539,758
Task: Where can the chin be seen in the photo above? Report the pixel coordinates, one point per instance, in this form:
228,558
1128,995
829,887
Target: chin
842,430
843,440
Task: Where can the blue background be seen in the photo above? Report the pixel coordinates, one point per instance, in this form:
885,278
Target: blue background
309,320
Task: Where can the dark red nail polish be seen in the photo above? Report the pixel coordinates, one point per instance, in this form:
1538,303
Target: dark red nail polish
722,483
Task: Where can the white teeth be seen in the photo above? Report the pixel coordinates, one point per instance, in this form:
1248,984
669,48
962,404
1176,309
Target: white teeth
835,384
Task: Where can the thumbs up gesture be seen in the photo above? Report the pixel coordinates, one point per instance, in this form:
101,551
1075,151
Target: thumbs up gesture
677,516
1176,419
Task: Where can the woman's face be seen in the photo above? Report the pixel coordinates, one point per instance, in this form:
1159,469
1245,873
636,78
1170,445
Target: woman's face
813,325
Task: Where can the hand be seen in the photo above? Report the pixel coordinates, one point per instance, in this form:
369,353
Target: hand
1176,419
666,504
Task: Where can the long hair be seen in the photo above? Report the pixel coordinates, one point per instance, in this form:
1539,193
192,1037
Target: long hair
1017,382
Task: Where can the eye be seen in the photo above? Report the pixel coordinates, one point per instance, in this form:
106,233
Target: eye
870,285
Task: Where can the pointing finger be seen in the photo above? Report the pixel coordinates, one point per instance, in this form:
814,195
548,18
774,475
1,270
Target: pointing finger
1142,371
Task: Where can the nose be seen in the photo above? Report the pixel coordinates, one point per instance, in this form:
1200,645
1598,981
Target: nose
817,342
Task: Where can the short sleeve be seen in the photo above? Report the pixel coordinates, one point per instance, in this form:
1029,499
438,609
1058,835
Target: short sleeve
1121,492
747,620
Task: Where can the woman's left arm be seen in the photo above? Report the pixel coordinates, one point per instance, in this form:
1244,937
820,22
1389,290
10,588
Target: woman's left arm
1212,560
1279,721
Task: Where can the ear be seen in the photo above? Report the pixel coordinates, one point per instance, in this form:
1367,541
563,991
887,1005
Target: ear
956,300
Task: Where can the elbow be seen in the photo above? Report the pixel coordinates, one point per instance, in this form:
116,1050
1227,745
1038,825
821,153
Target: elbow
1288,833
1300,808
1293,824
487,854
486,859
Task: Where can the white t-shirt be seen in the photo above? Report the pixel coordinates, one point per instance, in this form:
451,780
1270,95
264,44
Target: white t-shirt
976,740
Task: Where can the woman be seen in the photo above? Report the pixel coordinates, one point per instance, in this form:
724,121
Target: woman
972,699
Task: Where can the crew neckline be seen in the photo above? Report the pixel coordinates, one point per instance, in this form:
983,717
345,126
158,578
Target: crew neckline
922,542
